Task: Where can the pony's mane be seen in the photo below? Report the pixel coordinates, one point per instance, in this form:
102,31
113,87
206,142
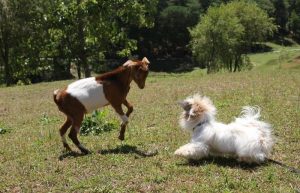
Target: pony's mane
115,72
111,74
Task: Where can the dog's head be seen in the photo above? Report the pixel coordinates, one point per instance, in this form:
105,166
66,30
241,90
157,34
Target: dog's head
197,109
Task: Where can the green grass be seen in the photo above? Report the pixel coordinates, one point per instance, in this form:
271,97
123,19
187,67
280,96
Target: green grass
30,151
276,58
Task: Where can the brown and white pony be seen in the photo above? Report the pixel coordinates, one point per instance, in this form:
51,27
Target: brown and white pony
86,95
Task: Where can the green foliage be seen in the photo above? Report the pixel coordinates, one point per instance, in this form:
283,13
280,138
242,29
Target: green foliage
294,19
225,35
3,131
170,35
97,123
281,15
39,39
266,5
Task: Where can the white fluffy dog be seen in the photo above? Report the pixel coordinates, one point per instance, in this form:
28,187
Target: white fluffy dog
247,138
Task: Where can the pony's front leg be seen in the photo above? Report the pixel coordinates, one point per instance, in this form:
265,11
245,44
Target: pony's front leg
129,107
124,118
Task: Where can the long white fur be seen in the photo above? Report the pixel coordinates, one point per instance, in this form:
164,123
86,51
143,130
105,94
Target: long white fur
89,92
247,138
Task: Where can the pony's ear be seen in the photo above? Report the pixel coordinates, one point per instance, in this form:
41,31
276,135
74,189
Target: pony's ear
145,60
129,63
185,105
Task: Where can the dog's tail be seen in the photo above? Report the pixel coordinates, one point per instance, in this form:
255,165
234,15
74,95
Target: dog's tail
250,117
250,112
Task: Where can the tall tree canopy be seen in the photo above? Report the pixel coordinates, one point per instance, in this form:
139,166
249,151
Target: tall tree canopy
170,35
226,33
45,36
39,40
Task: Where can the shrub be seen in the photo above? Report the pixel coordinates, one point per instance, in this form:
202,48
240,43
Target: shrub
97,123
3,131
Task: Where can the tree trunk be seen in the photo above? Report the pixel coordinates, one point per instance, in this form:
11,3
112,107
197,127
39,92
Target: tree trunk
230,65
81,37
237,63
5,58
78,69
7,70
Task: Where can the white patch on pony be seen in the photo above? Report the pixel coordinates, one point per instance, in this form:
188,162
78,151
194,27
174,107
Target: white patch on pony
63,138
89,92
80,146
124,119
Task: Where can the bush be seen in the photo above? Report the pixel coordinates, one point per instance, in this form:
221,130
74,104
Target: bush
97,123
3,131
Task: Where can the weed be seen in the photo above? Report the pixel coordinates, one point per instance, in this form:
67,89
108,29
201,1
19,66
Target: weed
97,123
3,131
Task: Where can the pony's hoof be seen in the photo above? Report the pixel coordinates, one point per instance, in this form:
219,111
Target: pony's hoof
85,152
121,137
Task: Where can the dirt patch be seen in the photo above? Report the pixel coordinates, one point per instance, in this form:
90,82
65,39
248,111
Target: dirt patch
3,110
295,63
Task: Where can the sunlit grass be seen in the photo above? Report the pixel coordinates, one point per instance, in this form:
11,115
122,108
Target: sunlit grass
275,58
29,152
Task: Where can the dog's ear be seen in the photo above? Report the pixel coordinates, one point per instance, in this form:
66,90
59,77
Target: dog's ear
185,105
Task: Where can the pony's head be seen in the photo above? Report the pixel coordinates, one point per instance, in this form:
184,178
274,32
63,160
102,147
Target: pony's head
140,70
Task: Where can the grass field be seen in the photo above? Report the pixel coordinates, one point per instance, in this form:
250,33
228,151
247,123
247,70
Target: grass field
279,57
30,150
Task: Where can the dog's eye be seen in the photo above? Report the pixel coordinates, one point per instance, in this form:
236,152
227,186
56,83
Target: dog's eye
192,115
186,114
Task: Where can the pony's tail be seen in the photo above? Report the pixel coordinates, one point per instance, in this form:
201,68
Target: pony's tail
56,96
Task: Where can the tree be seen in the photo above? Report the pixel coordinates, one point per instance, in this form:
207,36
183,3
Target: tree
18,37
38,38
94,27
294,19
225,35
170,36
281,15
266,5
6,38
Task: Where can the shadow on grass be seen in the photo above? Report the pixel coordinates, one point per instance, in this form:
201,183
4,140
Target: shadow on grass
222,161
128,149
70,154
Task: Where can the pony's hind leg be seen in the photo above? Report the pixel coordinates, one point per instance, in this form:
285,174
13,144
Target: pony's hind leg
74,132
63,131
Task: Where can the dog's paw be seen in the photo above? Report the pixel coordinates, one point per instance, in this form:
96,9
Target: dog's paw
192,151
179,152
185,152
